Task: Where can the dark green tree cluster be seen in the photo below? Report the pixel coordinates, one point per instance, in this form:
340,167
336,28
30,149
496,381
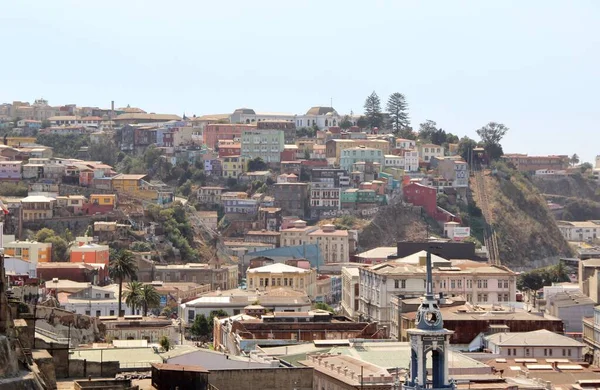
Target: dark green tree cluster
306,132
177,227
429,132
538,278
257,164
202,326
373,115
105,150
144,296
397,107
491,135
64,145
14,189
61,243
324,306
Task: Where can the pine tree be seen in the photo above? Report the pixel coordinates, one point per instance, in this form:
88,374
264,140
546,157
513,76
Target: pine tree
398,109
373,111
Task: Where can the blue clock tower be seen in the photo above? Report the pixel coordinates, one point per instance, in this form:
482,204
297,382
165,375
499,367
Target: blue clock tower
428,336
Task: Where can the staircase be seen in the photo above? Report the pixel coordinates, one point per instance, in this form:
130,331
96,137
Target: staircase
489,234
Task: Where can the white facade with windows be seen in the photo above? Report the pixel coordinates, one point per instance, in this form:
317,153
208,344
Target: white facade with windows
405,277
579,231
93,301
428,151
402,143
537,344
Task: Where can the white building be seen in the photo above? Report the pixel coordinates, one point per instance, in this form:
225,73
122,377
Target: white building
411,161
279,275
350,296
402,143
537,344
393,161
428,151
234,301
322,117
249,116
579,231
405,277
92,301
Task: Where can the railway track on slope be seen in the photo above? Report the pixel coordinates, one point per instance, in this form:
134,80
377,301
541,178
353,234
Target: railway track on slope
489,234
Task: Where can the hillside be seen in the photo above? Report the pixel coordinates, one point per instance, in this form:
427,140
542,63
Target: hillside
391,224
525,228
571,186
579,196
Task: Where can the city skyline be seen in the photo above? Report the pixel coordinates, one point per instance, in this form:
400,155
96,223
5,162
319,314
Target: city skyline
463,64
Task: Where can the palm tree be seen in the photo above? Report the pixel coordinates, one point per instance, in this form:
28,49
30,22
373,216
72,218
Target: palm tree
149,297
133,295
122,266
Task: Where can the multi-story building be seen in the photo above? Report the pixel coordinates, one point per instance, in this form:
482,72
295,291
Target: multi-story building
137,186
454,170
213,133
292,198
479,283
233,166
334,147
411,160
249,116
90,253
335,176
11,170
334,245
280,275
37,207
350,291
536,344
229,148
324,197
264,236
238,203
266,144
579,230
288,128
350,156
394,161
591,334
428,151
525,163
402,143
32,251
220,277
92,301
210,195
320,117
68,120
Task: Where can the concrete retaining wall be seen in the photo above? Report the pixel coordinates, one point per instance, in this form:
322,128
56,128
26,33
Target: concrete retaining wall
263,379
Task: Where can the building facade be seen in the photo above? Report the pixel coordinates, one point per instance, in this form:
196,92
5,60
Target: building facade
264,144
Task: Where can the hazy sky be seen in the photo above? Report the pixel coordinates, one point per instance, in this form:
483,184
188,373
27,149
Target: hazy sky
532,65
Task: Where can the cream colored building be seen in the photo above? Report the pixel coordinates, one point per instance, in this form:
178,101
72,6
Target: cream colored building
37,207
579,230
282,275
334,245
477,282
428,151
350,291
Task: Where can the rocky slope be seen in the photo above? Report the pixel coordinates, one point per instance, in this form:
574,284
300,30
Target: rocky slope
526,229
391,224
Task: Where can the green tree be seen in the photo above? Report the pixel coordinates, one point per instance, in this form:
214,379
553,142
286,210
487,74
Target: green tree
104,150
45,123
465,146
122,266
133,295
585,167
362,122
373,111
165,343
427,130
491,135
398,109
149,298
323,306
574,160
346,123
257,164
201,327
60,246
141,246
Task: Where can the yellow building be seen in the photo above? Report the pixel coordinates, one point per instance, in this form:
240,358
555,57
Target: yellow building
233,166
137,186
282,275
32,251
334,147
108,200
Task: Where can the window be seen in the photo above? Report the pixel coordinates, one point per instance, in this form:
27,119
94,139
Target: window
550,351
500,283
453,284
564,352
106,295
546,351
469,284
459,283
98,313
396,284
403,283
526,351
509,352
97,295
112,313
569,352
506,283
262,282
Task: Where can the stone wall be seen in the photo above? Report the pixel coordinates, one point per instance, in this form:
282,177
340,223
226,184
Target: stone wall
263,378
82,369
83,329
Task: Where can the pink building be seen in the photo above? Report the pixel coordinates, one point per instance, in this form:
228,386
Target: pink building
216,132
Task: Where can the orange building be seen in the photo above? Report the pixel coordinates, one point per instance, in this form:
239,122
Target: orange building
32,251
90,254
